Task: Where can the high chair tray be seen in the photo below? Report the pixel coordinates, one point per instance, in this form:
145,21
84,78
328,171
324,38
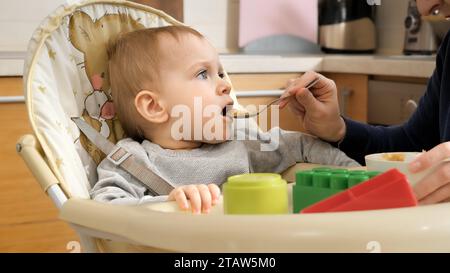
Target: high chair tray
162,226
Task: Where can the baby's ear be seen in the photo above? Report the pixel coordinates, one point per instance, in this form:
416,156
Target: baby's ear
149,106
81,32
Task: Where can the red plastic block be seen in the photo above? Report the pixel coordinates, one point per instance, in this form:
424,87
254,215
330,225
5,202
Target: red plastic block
388,190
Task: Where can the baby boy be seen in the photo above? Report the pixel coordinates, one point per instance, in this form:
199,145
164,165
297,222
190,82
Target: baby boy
157,74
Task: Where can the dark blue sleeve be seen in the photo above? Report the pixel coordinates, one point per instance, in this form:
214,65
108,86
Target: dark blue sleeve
421,131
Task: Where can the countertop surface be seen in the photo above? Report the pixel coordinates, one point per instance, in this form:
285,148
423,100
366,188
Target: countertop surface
407,66
11,64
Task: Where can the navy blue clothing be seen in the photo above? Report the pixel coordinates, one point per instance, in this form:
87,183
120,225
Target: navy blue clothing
427,127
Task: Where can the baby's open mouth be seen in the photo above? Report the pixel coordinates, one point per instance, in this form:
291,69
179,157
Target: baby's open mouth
226,109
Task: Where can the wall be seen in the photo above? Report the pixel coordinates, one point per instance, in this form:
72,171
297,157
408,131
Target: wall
18,20
390,19
172,7
218,20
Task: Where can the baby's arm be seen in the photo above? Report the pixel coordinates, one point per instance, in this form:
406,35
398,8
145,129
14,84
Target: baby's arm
116,186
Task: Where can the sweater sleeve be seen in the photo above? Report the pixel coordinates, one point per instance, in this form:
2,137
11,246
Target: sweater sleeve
309,149
284,149
421,131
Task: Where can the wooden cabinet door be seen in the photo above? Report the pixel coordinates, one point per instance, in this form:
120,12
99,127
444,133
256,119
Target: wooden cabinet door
28,219
353,90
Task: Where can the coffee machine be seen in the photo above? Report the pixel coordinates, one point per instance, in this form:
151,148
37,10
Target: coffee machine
420,37
347,26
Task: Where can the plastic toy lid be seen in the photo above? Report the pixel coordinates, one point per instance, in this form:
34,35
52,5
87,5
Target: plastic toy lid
255,180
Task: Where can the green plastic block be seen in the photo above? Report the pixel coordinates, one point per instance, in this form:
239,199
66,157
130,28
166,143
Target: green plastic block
304,178
358,172
355,179
339,171
339,181
322,170
320,183
373,174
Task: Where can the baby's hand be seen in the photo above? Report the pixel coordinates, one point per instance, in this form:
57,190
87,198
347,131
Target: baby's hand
202,197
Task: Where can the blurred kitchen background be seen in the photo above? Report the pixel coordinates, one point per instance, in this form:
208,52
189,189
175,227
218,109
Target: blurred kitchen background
232,25
360,44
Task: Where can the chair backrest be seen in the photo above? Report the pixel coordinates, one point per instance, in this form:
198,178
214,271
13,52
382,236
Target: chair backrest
66,75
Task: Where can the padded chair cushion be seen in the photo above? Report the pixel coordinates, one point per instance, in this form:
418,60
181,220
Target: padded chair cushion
66,75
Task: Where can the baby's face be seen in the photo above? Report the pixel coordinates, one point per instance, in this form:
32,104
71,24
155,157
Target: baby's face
194,90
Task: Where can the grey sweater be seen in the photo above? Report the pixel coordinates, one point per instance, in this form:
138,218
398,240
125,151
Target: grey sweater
211,163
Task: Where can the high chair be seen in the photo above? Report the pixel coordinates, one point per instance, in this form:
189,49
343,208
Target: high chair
66,75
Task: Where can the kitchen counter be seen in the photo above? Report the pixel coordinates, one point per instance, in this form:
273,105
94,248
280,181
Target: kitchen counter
11,64
405,66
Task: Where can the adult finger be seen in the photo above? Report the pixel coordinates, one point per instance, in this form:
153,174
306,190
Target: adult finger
433,181
303,81
430,158
297,108
283,103
291,100
306,99
440,195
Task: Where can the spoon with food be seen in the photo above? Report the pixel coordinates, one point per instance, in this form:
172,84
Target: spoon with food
242,114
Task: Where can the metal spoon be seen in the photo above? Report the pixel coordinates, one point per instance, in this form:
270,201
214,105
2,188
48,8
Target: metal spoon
241,115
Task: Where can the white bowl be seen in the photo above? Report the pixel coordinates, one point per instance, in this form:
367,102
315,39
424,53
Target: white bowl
378,162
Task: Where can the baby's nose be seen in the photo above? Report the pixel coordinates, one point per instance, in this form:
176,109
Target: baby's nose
224,88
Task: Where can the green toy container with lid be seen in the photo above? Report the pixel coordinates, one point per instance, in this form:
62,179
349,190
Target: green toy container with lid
255,193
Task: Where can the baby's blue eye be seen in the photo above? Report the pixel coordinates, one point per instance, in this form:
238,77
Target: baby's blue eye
203,75
222,75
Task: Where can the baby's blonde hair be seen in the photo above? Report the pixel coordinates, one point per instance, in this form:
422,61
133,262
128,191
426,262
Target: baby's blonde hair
134,66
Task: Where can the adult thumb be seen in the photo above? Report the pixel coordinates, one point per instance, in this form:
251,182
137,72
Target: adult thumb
307,99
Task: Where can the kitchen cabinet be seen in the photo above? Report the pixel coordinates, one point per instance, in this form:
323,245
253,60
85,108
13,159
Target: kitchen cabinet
403,93
352,94
261,88
28,219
